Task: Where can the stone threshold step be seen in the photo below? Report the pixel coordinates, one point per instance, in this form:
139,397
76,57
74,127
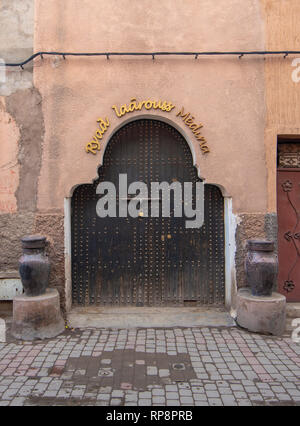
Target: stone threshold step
145,317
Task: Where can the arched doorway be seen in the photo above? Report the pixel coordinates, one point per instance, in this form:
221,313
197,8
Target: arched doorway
147,261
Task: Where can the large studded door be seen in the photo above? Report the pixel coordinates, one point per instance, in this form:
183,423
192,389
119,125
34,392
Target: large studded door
146,261
288,201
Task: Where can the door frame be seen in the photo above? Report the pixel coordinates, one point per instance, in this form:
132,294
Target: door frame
230,221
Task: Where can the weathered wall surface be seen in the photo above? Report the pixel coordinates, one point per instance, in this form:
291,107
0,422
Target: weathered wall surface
12,228
252,226
25,107
52,226
16,42
21,132
9,170
282,81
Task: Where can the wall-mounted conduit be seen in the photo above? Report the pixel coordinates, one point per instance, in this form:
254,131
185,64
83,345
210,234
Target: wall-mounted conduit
285,53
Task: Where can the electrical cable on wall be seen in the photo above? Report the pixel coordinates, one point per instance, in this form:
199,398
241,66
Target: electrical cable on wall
240,55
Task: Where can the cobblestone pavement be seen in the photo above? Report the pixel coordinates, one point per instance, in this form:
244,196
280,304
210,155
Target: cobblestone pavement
179,366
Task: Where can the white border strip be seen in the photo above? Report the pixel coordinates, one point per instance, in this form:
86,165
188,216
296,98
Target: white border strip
230,249
68,251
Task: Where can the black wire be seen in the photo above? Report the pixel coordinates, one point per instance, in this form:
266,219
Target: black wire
153,54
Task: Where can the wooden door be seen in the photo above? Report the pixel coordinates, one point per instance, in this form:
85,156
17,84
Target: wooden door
288,205
147,261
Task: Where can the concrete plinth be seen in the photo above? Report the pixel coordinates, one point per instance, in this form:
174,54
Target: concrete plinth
37,317
261,314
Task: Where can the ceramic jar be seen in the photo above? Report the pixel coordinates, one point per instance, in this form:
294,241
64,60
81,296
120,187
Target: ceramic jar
34,265
261,266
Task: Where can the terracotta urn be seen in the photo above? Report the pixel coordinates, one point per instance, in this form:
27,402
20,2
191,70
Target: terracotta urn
34,265
261,266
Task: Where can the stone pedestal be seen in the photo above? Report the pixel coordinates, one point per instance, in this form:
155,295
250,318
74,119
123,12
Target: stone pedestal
37,317
261,314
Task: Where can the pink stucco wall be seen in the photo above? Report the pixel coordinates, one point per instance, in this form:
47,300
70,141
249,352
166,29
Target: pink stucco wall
9,171
225,94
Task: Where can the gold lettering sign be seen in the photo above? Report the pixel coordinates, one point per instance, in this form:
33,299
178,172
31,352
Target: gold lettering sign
188,120
134,105
94,145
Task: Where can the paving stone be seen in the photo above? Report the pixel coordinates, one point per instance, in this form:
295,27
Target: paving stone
199,397
158,392
186,400
212,394
210,386
103,396
164,373
152,371
172,395
171,402
117,393
243,403
228,400
215,401
240,395
115,401
171,388
158,399
145,395
145,402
